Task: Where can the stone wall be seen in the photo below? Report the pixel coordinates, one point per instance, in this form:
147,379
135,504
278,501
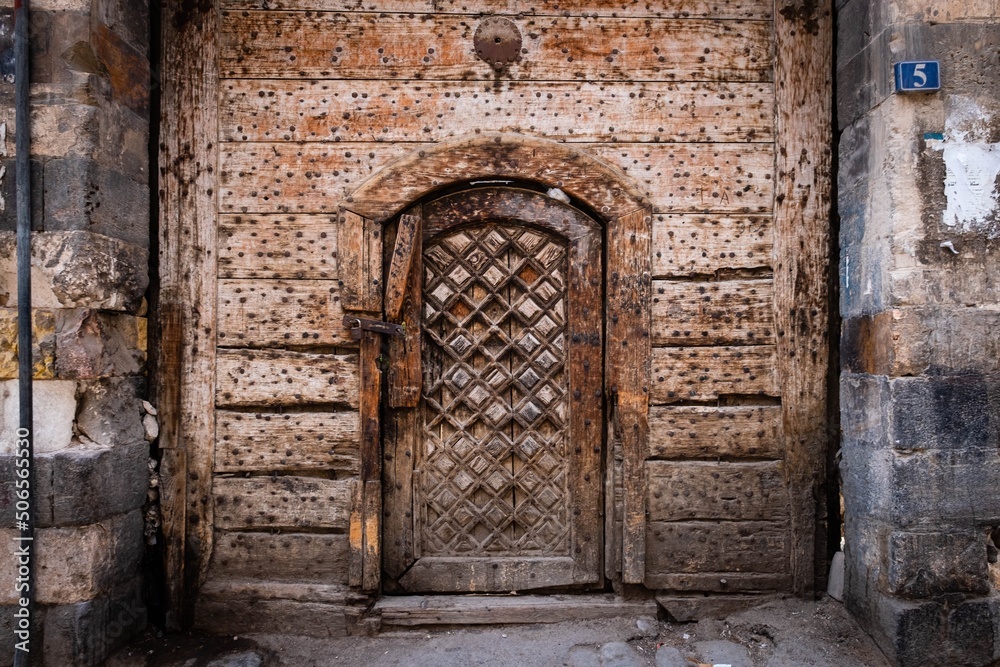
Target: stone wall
919,183
90,123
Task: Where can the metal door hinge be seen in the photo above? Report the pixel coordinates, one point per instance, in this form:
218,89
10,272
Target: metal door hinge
359,324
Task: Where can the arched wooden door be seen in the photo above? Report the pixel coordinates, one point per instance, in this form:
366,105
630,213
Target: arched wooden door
494,421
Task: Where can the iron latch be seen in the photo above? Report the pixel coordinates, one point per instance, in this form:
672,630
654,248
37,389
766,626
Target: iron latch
359,324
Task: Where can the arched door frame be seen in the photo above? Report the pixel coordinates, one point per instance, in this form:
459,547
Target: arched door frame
627,217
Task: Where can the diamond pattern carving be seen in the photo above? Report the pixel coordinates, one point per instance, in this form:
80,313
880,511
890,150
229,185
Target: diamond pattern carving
495,462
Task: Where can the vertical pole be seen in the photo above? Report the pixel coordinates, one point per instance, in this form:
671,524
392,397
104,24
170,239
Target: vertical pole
25,506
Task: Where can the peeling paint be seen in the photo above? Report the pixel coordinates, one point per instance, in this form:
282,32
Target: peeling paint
972,169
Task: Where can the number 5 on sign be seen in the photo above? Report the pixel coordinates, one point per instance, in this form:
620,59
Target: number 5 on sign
918,76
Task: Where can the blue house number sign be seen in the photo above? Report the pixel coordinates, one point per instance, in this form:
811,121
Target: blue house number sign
918,76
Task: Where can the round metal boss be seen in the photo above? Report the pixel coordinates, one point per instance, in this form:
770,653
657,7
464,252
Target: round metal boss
497,41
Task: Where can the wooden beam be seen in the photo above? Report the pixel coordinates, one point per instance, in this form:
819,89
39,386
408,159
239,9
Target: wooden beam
731,9
697,178
359,248
371,462
273,110
803,36
330,45
400,268
186,304
285,441
628,370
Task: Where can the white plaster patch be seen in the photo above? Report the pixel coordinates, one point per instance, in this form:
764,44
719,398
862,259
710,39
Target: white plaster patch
970,186
972,169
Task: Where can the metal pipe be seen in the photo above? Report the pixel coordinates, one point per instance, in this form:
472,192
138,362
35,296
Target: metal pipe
25,518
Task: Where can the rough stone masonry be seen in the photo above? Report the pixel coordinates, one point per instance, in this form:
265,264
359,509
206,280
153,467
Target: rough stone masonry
919,200
90,159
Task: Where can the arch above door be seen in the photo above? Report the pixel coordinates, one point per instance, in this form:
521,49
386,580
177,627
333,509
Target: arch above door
627,217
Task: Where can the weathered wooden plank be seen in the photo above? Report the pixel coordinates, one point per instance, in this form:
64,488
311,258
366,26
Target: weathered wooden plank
804,46
173,507
404,254
628,370
720,582
280,557
371,565
332,45
701,546
732,312
274,378
402,429
265,441
701,178
685,245
278,246
285,502
731,9
299,591
356,535
678,432
405,374
698,490
274,313
185,306
359,244
419,111
371,461
315,178
479,610
705,373
465,574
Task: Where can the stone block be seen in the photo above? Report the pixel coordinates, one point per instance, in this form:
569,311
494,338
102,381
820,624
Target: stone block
126,68
931,633
865,262
867,477
127,18
81,194
54,410
864,80
43,334
92,344
937,563
111,411
958,412
859,21
85,485
53,33
85,633
939,488
863,400
864,559
904,342
78,270
691,608
77,564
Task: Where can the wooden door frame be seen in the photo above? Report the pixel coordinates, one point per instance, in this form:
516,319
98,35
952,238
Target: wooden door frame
618,206
583,275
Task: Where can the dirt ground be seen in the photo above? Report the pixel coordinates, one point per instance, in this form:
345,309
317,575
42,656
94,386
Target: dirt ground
786,633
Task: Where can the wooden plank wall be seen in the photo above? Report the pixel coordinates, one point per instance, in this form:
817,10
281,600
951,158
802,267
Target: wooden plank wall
318,95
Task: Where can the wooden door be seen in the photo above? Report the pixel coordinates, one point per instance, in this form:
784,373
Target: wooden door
504,441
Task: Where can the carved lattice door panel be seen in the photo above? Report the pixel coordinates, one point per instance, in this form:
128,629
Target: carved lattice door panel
506,480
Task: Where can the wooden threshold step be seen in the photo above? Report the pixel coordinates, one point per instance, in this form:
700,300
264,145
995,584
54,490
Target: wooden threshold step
428,610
